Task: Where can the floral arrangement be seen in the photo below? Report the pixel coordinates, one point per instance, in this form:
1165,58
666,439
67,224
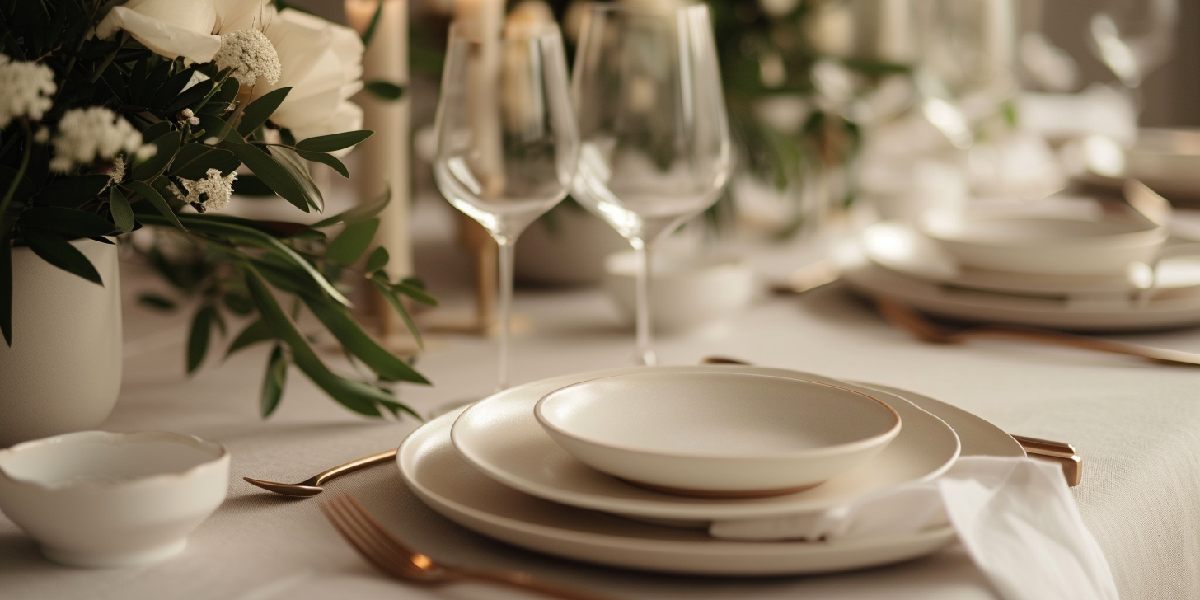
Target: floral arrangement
120,115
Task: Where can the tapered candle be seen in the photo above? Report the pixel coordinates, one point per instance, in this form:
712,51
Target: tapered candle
383,159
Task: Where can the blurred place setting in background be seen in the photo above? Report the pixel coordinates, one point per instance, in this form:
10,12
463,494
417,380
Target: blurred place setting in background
629,299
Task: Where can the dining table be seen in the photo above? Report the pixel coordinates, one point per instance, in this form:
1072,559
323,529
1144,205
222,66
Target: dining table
1136,425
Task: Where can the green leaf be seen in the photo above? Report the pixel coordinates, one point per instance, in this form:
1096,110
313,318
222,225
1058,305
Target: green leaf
338,321
278,177
194,160
73,191
70,222
357,396
167,145
334,141
6,289
156,301
377,260
384,90
273,382
261,109
298,168
397,304
415,292
362,211
238,303
244,235
369,33
251,185
254,333
198,336
60,253
325,159
143,189
118,206
350,244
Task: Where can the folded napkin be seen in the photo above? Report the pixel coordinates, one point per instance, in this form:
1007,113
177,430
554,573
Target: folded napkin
1015,517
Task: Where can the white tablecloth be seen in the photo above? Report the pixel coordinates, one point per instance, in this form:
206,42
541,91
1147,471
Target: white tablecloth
1137,425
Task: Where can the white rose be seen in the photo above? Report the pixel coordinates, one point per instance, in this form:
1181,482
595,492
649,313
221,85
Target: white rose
167,27
322,63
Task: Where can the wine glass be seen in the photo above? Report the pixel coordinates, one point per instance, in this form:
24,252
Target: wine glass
655,147
1132,38
507,139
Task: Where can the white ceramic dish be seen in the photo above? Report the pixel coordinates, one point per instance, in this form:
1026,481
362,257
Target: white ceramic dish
1161,310
438,475
717,434
904,250
98,499
688,290
1048,245
1166,160
501,437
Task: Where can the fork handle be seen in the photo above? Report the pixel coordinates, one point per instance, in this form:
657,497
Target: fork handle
354,465
522,581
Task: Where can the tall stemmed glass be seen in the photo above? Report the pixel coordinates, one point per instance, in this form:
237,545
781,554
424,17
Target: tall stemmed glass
507,138
655,141
1132,38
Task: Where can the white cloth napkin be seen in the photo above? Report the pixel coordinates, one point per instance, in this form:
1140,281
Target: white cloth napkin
1015,517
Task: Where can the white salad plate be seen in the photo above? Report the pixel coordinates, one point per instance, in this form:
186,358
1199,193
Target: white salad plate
718,434
436,472
906,251
501,437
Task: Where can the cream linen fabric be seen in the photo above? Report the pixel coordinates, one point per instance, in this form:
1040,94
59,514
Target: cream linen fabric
1015,517
1137,425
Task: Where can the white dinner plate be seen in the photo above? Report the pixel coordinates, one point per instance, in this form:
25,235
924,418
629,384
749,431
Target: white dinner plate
1161,310
446,482
904,250
501,437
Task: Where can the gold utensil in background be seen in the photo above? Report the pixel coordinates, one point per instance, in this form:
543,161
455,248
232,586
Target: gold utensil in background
393,557
922,328
1060,452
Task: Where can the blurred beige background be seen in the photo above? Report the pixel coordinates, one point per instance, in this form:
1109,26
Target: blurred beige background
1172,93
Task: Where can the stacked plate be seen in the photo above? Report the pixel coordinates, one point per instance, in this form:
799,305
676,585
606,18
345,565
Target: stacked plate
528,465
1046,272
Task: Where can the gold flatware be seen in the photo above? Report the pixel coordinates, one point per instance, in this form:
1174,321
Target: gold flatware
393,557
312,485
806,279
908,319
1060,452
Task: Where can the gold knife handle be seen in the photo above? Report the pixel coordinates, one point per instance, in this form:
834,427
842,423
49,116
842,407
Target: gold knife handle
1060,452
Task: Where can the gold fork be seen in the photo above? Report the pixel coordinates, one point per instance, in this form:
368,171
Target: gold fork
391,556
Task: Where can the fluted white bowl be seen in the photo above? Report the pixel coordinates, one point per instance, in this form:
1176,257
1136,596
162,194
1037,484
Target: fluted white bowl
99,499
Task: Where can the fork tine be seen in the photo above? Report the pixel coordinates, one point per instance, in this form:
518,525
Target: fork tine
380,533
337,515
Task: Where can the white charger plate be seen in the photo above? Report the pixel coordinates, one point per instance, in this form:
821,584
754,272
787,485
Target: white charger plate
1162,310
446,482
501,437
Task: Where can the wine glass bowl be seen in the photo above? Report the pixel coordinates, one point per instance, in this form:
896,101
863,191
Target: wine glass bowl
507,142
654,139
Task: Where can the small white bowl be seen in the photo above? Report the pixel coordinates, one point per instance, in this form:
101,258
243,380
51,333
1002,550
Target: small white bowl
1048,245
99,499
686,290
717,434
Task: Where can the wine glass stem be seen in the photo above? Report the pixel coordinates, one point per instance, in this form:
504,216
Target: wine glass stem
506,293
645,342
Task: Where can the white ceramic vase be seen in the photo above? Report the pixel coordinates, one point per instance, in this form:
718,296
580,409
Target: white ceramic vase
63,371
567,250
